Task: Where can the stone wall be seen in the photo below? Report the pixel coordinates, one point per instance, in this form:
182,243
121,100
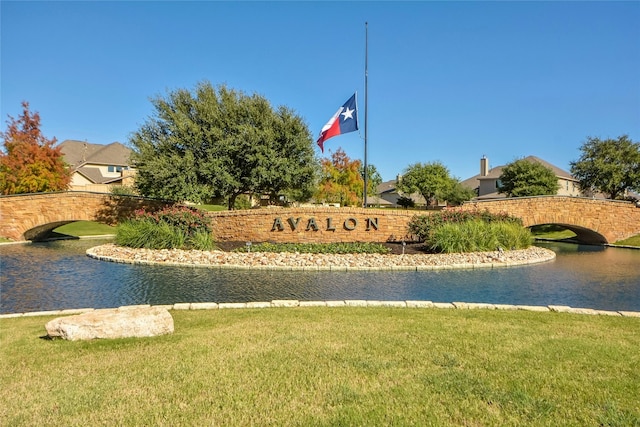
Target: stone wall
303,225
26,217
614,220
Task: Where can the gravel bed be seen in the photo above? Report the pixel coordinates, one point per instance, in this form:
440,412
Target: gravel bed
223,259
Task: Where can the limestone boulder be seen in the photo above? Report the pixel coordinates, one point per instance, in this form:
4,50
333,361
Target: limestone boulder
112,323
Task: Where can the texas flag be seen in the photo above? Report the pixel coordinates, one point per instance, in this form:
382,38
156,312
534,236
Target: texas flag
343,121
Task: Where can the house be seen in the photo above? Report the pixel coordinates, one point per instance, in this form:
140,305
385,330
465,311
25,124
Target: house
486,183
387,195
97,167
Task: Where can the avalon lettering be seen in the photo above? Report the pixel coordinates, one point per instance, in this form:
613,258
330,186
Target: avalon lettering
349,224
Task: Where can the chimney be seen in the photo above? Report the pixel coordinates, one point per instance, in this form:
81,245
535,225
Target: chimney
484,166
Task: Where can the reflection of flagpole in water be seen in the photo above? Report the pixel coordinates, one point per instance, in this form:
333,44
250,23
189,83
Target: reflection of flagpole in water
366,122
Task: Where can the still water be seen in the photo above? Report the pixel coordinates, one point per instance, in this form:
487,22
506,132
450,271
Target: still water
58,275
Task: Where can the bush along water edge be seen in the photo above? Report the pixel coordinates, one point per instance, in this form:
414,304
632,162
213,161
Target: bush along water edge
174,227
470,231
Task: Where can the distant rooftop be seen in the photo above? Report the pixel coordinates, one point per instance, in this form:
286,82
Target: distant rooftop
79,153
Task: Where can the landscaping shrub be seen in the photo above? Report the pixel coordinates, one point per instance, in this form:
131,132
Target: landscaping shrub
422,226
478,236
202,240
187,219
170,228
319,248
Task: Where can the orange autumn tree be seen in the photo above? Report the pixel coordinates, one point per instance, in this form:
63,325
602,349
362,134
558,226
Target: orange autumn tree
29,162
340,180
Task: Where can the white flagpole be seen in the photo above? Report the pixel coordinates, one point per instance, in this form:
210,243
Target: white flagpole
366,122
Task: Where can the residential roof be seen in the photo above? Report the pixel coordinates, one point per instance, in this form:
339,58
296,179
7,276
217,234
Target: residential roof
80,153
387,187
95,175
494,173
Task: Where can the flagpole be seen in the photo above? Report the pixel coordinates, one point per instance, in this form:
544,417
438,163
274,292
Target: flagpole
366,122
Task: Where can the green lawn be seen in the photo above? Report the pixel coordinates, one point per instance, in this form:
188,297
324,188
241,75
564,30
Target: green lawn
551,231
631,241
212,207
331,366
85,228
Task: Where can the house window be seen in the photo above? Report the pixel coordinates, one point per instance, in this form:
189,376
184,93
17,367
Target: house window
112,168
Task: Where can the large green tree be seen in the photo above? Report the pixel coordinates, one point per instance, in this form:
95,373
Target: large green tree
433,181
522,178
610,166
218,142
30,162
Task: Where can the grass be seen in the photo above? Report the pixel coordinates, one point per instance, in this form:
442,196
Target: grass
631,241
85,228
551,231
212,208
331,366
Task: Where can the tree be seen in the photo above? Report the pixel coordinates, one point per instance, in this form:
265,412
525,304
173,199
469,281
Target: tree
431,180
30,162
373,179
611,166
217,142
340,180
522,178
405,202
458,194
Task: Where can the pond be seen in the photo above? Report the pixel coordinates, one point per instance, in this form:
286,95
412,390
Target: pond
58,275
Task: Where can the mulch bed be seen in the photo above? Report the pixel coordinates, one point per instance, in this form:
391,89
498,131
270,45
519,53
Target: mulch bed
396,248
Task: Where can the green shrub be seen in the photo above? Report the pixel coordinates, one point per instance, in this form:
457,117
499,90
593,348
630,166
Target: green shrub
242,202
512,236
422,226
177,227
147,234
319,248
478,236
189,220
202,240
123,190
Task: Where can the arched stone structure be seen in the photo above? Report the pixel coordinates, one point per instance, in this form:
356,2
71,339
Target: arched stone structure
26,217
30,216
594,221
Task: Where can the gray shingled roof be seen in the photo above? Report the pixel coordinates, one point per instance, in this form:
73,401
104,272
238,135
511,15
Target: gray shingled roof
79,153
494,173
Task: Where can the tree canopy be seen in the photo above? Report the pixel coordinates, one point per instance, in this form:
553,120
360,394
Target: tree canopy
522,178
434,182
30,163
374,179
218,142
610,166
341,180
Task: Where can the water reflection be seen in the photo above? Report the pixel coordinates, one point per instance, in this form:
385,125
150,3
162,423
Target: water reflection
57,275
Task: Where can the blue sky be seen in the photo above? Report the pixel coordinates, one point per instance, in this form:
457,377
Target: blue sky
448,81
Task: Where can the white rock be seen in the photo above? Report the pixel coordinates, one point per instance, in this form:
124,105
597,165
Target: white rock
112,323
